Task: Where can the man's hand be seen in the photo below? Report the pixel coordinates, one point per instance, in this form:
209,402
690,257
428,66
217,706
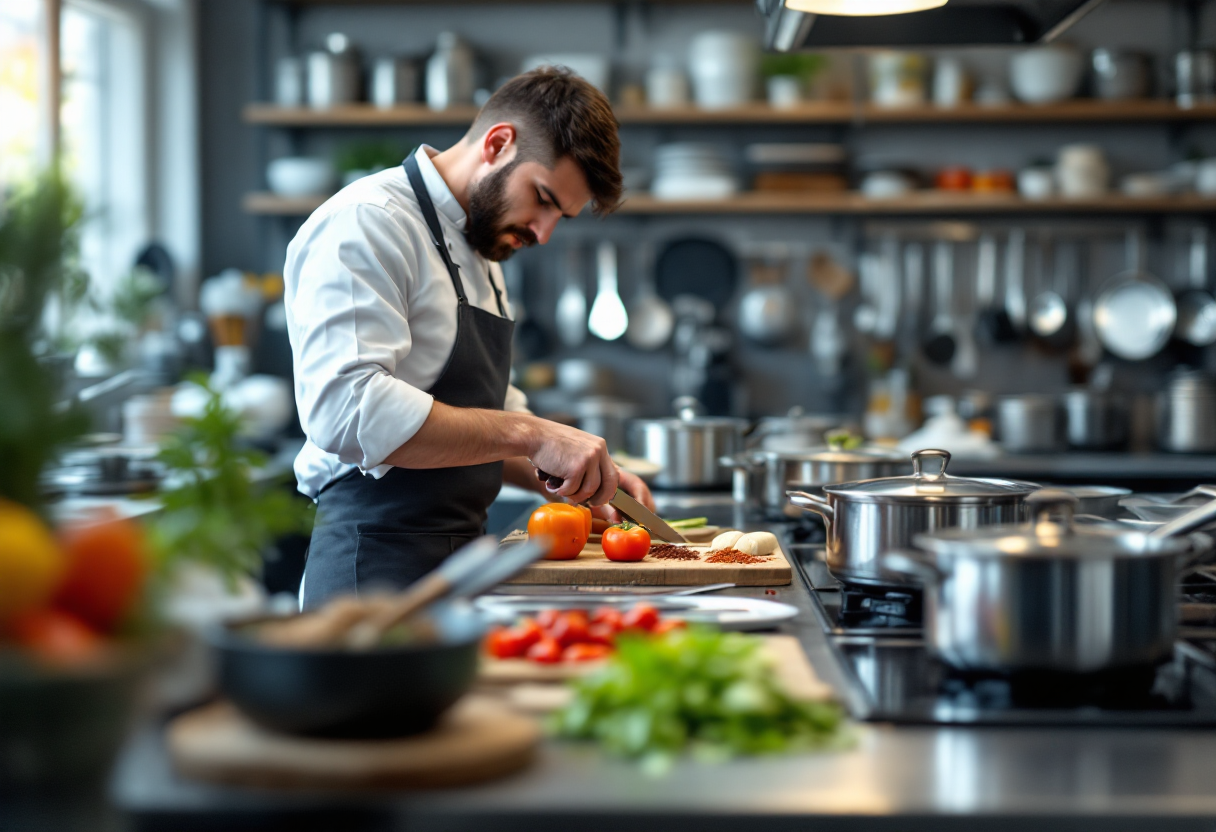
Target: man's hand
580,460
632,485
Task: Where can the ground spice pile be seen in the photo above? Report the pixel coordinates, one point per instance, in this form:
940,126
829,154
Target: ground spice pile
670,551
732,556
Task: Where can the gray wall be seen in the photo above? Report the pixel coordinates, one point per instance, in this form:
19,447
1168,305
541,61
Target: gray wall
234,155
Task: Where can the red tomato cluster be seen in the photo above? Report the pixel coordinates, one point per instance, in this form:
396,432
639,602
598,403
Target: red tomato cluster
572,635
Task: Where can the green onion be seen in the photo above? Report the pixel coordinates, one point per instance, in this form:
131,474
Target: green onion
689,523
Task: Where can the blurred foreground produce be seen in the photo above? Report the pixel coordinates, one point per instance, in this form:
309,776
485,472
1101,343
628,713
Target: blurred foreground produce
708,692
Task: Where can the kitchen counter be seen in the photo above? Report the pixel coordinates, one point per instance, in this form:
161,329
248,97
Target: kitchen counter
901,778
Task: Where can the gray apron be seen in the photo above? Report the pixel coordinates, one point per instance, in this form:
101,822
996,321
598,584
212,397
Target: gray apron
387,533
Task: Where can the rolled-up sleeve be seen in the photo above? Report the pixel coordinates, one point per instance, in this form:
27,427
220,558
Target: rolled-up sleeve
347,286
516,401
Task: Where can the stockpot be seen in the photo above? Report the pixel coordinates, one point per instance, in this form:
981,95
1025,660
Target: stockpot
688,447
869,518
1050,595
763,478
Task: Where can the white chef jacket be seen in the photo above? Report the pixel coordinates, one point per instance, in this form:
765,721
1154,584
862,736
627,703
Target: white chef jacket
371,314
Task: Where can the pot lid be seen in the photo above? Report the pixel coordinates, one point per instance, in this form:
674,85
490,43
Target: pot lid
929,482
1052,533
691,413
830,453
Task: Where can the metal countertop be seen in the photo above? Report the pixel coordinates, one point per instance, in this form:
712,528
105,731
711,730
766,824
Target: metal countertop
894,778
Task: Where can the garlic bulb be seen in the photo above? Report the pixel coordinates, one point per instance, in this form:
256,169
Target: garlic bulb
757,543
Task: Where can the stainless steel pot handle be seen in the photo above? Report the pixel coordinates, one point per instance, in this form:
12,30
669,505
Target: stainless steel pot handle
1054,506
930,464
743,461
688,408
812,502
909,563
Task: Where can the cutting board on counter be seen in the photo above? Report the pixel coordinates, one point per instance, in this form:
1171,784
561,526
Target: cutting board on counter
788,658
479,739
591,568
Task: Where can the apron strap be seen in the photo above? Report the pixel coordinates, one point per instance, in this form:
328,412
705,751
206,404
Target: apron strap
432,222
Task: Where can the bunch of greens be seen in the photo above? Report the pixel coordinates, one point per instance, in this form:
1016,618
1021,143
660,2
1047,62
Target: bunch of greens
700,689
802,65
129,308
38,256
214,513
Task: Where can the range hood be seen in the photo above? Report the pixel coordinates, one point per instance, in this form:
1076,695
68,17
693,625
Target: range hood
958,23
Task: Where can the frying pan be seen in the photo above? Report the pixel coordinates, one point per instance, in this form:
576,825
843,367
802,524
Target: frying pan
696,266
1196,306
1134,312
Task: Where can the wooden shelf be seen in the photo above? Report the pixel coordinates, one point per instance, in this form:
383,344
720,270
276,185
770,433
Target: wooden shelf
766,202
814,112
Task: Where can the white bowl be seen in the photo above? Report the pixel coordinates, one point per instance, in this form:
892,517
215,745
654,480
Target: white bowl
1046,74
885,184
1036,183
300,176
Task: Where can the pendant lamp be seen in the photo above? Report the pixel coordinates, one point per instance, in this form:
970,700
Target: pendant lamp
862,8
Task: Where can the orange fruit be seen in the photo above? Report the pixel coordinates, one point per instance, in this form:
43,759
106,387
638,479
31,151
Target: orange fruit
31,564
107,564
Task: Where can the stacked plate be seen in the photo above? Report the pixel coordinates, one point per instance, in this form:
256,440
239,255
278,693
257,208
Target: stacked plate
690,170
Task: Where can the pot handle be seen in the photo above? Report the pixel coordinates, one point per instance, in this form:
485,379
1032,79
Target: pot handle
688,408
930,464
1193,520
911,564
1054,506
744,461
812,502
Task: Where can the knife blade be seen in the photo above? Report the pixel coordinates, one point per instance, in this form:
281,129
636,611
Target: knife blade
643,516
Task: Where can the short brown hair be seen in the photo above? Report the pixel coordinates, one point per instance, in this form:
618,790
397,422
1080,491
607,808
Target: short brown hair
559,114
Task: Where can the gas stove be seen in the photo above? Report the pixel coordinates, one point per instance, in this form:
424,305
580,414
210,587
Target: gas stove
878,642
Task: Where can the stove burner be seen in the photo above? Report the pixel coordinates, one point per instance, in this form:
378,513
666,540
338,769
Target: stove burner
873,606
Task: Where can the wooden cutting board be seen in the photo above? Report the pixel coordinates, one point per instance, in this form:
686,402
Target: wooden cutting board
593,569
479,739
789,661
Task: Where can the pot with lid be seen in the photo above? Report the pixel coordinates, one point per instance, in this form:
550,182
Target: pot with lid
688,447
763,478
1050,595
869,518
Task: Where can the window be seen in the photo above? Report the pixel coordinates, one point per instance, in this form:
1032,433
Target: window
21,100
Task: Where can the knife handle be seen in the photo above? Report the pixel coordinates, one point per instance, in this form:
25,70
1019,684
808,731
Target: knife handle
551,482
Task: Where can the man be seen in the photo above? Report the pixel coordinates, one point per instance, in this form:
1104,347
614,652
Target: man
401,338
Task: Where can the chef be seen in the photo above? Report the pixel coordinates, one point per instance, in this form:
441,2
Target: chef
400,332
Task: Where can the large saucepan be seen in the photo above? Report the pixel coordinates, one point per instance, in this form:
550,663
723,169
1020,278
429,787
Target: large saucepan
763,478
687,448
1051,596
869,518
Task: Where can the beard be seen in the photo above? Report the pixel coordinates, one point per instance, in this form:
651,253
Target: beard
487,207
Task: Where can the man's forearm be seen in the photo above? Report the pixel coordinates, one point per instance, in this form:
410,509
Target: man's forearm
454,436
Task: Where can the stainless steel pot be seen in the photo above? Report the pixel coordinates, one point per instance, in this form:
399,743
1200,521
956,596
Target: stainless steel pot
1030,424
1097,500
1096,421
688,447
797,431
1049,595
867,519
763,478
1186,414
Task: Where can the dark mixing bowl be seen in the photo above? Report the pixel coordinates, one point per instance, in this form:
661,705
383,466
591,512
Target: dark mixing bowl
384,692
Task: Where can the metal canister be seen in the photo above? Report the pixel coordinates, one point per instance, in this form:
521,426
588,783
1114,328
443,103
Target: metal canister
333,73
394,81
1186,414
1030,424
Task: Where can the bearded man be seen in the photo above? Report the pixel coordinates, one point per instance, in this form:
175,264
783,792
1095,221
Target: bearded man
401,338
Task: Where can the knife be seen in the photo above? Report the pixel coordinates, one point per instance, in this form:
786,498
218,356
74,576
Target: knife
632,509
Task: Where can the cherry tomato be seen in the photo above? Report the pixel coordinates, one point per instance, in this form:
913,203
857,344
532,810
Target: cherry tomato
586,512
607,616
570,628
954,179
565,527
529,631
545,651
641,617
667,625
586,652
55,635
503,643
602,634
107,563
626,542
547,618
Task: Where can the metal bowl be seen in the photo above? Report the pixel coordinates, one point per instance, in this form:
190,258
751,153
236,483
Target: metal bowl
387,692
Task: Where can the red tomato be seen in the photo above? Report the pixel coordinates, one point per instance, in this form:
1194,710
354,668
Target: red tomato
502,643
570,628
602,634
608,616
565,527
641,617
547,618
107,562
586,652
667,625
529,631
545,651
55,635
626,542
